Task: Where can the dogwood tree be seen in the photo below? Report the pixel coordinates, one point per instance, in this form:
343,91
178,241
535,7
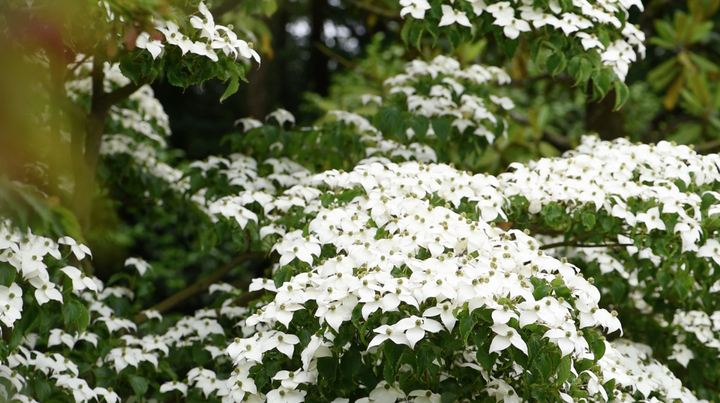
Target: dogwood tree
391,275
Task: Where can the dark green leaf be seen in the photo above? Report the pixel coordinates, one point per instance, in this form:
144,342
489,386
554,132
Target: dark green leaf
327,368
564,370
71,312
389,372
467,323
7,274
139,385
510,47
622,93
425,357
42,389
231,88
556,63
442,129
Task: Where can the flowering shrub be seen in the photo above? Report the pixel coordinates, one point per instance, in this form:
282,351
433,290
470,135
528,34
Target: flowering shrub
390,283
391,275
396,288
589,39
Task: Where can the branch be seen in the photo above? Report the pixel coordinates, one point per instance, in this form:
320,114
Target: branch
200,286
245,299
223,8
78,64
561,142
708,147
121,93
579,245
345,62
376,10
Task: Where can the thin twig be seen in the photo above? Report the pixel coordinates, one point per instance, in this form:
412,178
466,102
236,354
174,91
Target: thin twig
579,245
561,142
224,7
376,10
345,62
119,94
710,146
200,286
78,64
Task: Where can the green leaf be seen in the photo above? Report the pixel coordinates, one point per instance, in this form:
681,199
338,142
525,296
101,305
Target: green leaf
350,363
231,88
327,368
165,367
420,125
405,32
548,150
543,364
604,38
467,323
662,75
704,63
448,397
700,31
487,361
7,274
390,120
389,372
139,385
542,291
43,390
425,357
564,370
535,46
393,351
618,290
609,387
556,63
510,47
83,320
415,37
665,30
72,310
588,219
282,275
442,129
622,94
601,84
130,67
455,38
597,344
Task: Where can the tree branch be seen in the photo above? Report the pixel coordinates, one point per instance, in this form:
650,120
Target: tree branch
245,299
200,286
579,245
345,62
224,7
708,147
119,94
376,10
561,142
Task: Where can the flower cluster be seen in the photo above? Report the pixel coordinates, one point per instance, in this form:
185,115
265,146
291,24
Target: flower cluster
396,277
209,39
440,88
405,271
596,25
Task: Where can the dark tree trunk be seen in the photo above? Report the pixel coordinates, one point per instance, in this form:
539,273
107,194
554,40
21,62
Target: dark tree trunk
600,118
320,75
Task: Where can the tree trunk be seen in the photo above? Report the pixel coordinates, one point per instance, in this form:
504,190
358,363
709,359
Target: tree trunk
600,118
320,76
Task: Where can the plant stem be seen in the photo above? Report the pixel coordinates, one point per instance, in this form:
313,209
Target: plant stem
200,286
